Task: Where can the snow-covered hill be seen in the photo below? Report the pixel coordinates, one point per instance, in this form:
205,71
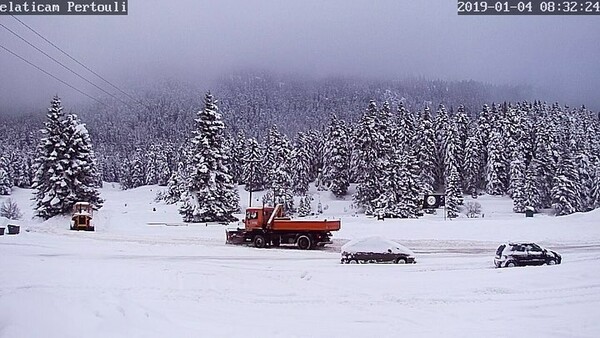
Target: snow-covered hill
136,278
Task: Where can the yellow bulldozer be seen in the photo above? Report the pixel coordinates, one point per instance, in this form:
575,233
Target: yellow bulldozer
82,216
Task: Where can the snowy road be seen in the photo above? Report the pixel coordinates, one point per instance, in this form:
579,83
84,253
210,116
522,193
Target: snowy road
102,285
129,279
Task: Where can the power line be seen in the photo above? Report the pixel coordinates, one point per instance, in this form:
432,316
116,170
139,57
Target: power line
76,61
52,76
60,63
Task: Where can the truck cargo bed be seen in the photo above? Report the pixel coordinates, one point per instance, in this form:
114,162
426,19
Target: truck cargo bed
305,225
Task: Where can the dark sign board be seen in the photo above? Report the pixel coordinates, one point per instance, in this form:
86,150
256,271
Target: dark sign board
434,201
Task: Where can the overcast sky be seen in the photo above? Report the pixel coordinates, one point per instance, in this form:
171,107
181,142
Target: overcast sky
196,40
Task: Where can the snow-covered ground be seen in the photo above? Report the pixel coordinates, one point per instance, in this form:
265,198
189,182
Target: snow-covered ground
132,279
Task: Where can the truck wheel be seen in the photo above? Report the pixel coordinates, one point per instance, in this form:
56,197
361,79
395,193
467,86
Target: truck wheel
259,241
304,242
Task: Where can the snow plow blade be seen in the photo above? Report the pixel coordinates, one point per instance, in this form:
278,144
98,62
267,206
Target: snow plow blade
235,236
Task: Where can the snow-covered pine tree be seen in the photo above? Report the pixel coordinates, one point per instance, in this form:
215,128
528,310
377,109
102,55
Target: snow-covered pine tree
453,193
125,174
366,158
546,154
316,143
81,172
336,159
531,193
162,167
408,187
517,179
425,141
586,180
496,169
5,183
595,201
472,165
300,165
516,174
305,206
406,130
138,175
442,126
151,167
51,187
461,122
282,190
237,157
277,154
210,193
253,169
453,155
301,208
175,186
484,127
566,187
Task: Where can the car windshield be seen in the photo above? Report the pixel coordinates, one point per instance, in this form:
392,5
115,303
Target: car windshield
535,247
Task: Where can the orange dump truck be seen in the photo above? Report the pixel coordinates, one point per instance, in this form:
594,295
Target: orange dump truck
266,226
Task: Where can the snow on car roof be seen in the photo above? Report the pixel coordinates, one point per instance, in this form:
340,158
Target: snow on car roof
375,244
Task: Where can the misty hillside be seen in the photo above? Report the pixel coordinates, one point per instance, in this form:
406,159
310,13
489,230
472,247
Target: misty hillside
252,103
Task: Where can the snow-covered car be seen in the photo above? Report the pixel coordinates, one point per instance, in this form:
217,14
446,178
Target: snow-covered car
522,254
376,250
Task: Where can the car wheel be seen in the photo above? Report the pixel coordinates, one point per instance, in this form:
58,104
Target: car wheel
259,241
353,261
551,262
400,261
511,264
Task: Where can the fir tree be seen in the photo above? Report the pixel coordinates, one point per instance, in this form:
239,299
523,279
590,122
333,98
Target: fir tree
237,157
51,187
453,193
66,168
175,186
305,206
443,127
531,193
337,158
5,183
138,175
566,188
472,165
162,168
281,189
365,159
595,200
277,154
517,178
300,165
426,155
496,170
253,170
82,171
210,193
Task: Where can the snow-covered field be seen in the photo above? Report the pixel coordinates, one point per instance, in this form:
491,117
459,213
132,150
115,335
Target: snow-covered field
131,279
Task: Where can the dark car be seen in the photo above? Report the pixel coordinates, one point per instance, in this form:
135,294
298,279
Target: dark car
376,250
522,254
